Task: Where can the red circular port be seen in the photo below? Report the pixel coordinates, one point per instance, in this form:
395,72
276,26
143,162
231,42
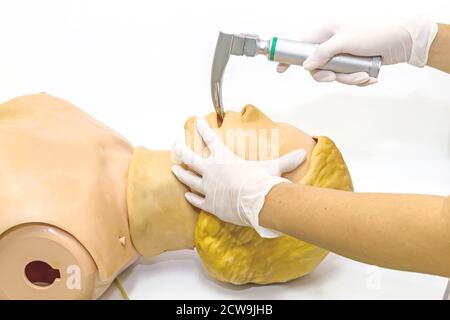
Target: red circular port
41,274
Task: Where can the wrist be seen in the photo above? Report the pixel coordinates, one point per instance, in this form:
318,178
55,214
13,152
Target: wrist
423,32
266,215
269,214
254,199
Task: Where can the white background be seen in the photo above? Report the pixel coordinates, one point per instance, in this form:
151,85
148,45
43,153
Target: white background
143,67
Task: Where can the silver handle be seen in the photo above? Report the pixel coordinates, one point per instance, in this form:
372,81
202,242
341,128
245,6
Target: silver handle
294,52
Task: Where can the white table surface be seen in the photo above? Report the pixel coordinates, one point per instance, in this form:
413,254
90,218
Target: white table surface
181,276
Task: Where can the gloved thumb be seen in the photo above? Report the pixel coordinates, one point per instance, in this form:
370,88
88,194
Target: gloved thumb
323,53
282,67
285,163
291,160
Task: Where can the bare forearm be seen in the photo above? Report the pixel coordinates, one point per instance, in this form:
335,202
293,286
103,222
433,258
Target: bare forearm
400,231
439,55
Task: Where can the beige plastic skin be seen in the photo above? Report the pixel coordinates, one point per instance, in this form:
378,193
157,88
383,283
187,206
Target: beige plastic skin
62,168
78,275
160,218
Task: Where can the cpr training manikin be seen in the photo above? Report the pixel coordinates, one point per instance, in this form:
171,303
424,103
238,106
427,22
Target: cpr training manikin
79,204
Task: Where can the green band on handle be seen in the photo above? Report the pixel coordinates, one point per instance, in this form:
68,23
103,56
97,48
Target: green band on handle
272,48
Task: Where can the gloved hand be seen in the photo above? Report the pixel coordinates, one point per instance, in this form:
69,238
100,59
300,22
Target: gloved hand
231,188
396,42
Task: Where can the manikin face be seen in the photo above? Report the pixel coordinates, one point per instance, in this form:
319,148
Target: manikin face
60,168
253,136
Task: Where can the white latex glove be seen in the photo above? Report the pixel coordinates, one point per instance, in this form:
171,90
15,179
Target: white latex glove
395,41
230,187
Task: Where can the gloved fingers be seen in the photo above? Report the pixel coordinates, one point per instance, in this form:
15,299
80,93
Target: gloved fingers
369,82
324,52
196,200
211,139
323,75
357,78
188,178
282,67
285,163
182,153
